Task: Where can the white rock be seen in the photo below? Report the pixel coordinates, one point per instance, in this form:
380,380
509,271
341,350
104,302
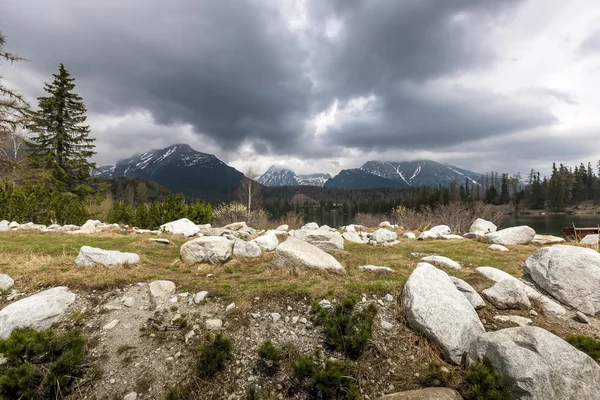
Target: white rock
111,325
160,240
516,319
352,237
481,225
548,304
182,226
242,248
441,261
39,311
384,236
494,274
512,236
507,294
538,365
385,224
90,226
303,321
474,235
129,302
409,235
295,320
330,242
4,222
13,225
470,293
204,229
213,324
325,304
497,247
130,396
436,308
5,228
375,268
214,250
570,274
452,237
388,297
386,325
275,317
298,253
590,240
236,226
161,292
110,258
435,232
230,307
188,336
311,226
284,228
200,296
6,283
547,240
267,242
581,317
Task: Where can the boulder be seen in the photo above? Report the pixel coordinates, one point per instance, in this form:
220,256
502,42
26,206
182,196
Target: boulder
236,226
440,261
161,292
330,242
214,250
497,247
481,225
13,225
375,268
507,294
89,256
182,226
310,226
436,308
548,304
424,394
5,228
435,232
267,242
468,291
6,283
570,274
515,319
384,235
90,226
494,274
409,235
283,228
547,239
39,311
298,253
538,365
511,236
352,236
590,240
241,248
452,237
204,229
474,235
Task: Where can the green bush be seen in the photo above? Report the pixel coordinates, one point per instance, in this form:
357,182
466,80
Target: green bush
588,345
346,329
213,355
179,392
41,364
436,375
328,379
483,382
269,358
252,393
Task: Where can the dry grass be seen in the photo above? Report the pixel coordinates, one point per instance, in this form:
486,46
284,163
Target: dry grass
37,260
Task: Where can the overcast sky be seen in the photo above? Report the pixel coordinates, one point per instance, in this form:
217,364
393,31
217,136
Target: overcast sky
322,85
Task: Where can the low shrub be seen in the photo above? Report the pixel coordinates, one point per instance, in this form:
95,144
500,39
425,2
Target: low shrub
324,379
254,393
436,375
213,355
228,213
41,365
269,358
483,382
346,329
293,220
369,220
587,344
179,392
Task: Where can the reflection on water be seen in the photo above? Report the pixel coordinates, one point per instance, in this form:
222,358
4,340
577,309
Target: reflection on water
333,220
552,224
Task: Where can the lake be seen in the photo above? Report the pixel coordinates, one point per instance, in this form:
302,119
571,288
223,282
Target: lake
551,224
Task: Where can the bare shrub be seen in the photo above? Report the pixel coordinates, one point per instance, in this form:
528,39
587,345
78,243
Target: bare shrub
293,220
369,220
228,213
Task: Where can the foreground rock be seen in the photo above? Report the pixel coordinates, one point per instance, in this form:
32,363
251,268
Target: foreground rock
570,274
538,365
181,227
352,236
468,291
330,242
590,240
6,283
435,232
375,268
384,236
497,247
508,294
89,256
436,308
241,248
298,253
481,225
424,394
440,261
161,292
39,311
214,250
512,236
267,242
494,274
545,240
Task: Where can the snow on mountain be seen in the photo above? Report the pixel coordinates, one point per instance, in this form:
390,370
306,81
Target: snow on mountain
104,171
278,176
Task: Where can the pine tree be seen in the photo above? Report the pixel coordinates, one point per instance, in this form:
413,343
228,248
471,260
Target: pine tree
556,190
62,146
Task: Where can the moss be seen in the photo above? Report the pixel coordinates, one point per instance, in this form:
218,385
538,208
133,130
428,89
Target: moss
588,345
346,329
41,364
483,382
325,379
269,358
213,355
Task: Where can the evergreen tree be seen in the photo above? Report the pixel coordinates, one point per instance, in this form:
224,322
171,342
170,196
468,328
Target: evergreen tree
504,194
556,190
62,146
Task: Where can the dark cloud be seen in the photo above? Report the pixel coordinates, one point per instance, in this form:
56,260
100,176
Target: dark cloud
592,42
235,72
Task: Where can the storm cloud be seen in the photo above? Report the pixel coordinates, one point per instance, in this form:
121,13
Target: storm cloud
261,81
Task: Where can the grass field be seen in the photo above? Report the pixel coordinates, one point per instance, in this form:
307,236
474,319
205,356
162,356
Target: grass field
38,260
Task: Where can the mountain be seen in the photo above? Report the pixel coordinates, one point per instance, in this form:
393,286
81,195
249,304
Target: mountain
402,174
277,176
104,171
180,169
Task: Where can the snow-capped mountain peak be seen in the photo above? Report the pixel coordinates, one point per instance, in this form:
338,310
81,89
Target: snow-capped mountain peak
280,176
